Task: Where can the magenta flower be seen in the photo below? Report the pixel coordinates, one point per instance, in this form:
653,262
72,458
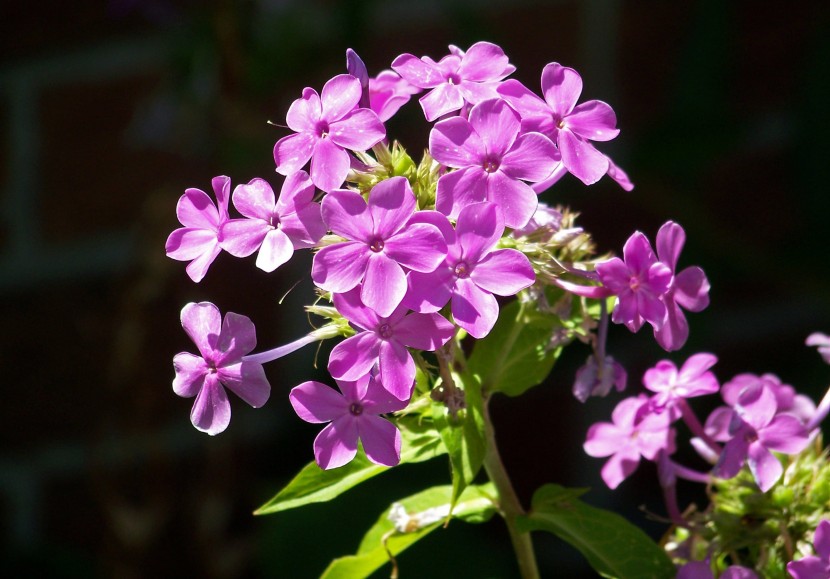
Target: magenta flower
326,126
786,399
274,227
380,243
639,283
635,432
198,240
457,79
671,385
815,566
492,162
593,380
384,341
703,570
472,272
353,416
756,429
689,289
569,125
222,345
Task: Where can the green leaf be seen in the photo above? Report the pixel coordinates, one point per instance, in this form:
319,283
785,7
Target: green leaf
419,442
425,511
516,355
613,546
463,435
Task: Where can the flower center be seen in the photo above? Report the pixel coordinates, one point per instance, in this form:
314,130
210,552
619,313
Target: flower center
274,221
491,165
634,283
461,270
356,409
453,78
322,129
211,367
385,331
376,245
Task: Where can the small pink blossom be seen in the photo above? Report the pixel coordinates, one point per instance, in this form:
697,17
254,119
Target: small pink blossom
354,415
198,240
672,385
221,364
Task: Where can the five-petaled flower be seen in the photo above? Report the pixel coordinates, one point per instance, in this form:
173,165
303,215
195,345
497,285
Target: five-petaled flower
221,364
353,416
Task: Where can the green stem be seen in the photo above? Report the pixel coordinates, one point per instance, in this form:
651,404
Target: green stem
509,505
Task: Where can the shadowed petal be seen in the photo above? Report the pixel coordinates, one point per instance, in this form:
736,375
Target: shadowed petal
428,292
397,369
381,440
479,227
336,444
203,323
346,214
196,209
669,243
305,228
523,100
474,309
618,468
420,247
423,331
764,466
211,411
581,158
351,307
691,289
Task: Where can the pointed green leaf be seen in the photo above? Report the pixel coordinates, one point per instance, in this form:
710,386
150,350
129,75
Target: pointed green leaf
419,442
613,546
421,514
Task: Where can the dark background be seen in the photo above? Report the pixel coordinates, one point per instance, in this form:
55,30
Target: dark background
109,110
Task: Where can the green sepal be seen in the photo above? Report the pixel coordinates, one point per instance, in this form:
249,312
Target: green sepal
419,442
613,546
476,505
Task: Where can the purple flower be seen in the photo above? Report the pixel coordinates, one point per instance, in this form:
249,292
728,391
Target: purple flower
786,399
671,385
815,566
326,126
703,570
457,79
472,271
569,125
222,345
822,342
384,94
274,227
198,240
491,159
593,380
380,242
635,432
639,283
353,416
383,341
756,429
689,289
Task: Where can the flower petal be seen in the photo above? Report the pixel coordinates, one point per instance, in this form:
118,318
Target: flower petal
329,165
532,158
523,100
420,247
187,243
474,309
593,120
417,72
190,374
255,200
340,267
453,142
276,250
203,323
691,289
561,86
428,292
581,158
423,331
444,98
496,124
458,189
397,369
381,440
196,209
354,357
479,227
336,444
765,467
247,380
516,199
339,96
504,272
346,214
483,61
391,204
211,411
292,152
351,307
669,242
242,237
315,402
384,284
236,339
304,112
360,130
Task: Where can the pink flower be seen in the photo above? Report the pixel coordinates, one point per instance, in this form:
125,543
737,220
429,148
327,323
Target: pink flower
274,227
693,379
222,345
326,126
472,272
353,416
569,125
384,341
815,566
639,283
380,242
635,432
457,79
493,161
198,240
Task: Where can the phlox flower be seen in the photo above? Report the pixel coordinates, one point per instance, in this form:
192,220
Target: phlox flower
198,240
689,289
472,272
756,428
384,341
493,161
380,243
222,345
634,432
353,415
672,385
703,570
274,227
639,281
814,566
457,79
569,125
386,93
591,380
325,126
